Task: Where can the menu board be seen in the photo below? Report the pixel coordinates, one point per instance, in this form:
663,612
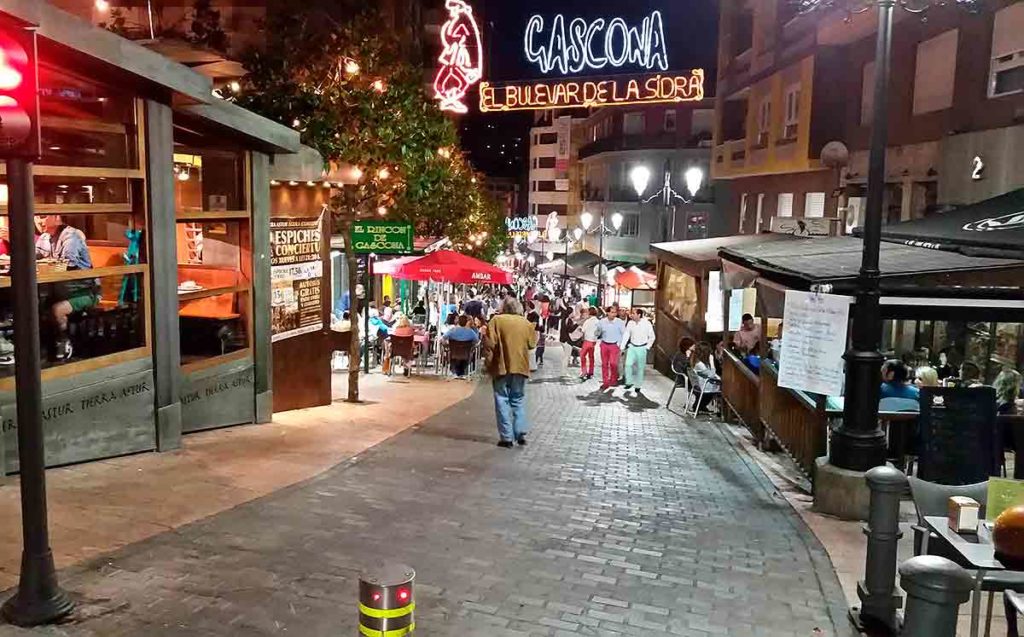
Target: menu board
814,342
296,276
1003,493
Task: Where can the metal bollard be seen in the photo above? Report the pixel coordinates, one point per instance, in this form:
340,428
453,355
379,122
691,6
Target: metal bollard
935,589
877,591
386,601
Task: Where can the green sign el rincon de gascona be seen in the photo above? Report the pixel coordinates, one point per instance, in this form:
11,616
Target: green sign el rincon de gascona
382,237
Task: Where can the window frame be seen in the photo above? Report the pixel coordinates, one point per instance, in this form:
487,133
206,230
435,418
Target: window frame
245,268
791,116
764,122
136,206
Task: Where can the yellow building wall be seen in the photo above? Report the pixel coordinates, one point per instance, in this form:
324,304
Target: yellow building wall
775,158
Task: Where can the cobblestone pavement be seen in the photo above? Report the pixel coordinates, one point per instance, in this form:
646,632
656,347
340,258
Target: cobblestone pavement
619,517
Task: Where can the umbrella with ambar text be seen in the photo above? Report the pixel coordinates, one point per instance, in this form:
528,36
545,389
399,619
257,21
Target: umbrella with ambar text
444,265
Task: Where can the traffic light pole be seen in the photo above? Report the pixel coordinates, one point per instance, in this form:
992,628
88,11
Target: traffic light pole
39,599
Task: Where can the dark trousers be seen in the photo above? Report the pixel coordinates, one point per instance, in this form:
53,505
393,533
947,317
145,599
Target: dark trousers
459,368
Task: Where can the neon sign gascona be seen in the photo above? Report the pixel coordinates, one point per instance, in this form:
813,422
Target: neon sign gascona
572,46
461,57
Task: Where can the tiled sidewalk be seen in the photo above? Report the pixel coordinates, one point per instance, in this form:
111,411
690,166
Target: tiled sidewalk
618,518
98,507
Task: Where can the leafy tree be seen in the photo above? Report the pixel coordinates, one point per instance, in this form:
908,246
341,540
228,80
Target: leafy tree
347,87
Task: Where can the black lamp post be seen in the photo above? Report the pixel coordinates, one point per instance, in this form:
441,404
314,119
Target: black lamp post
586,220
859,443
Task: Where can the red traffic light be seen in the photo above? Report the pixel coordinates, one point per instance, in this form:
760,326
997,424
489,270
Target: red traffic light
19,94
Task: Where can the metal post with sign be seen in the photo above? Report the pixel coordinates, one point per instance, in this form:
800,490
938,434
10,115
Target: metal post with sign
39,599
371,238
382,237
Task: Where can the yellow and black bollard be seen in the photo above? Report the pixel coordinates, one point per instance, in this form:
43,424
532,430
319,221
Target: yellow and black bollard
386,601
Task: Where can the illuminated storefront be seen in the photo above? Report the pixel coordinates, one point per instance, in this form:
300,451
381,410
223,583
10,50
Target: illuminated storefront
151,201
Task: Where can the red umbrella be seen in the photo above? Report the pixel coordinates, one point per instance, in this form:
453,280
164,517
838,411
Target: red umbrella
444,265
636,279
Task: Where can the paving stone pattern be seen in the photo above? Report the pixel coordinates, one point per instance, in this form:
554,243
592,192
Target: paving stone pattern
618,518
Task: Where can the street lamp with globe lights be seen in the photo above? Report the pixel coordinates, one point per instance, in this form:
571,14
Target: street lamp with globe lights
586,221
859,442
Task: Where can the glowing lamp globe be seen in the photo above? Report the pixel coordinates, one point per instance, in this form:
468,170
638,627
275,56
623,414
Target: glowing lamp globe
640,176
694,177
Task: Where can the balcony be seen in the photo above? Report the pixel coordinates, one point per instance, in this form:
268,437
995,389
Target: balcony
658,141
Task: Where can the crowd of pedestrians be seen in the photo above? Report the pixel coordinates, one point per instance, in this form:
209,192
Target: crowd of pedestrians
516,338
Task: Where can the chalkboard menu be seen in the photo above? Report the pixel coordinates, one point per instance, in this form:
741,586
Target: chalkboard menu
959,441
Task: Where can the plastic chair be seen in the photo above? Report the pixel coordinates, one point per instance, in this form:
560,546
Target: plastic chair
705,383
459,351
681,370
403,349
932,499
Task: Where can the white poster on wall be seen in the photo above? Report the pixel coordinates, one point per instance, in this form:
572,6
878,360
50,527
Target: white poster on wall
813,342
735,309
713,318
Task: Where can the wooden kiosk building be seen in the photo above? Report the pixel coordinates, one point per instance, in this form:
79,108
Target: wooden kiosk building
169,187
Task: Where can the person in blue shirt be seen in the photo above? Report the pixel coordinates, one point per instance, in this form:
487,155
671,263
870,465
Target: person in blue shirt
895,381
610,329
63,242
463,334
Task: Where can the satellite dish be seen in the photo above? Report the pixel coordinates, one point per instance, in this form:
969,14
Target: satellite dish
835,155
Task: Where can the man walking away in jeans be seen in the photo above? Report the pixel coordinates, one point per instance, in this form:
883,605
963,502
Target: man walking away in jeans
611,329
590,338
510,337
637,341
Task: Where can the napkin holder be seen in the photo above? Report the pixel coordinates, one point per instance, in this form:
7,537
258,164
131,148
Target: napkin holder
964,514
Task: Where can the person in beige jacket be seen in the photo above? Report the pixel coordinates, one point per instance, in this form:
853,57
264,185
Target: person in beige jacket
510,337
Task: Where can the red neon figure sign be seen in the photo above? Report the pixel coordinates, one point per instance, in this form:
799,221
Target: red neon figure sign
461,57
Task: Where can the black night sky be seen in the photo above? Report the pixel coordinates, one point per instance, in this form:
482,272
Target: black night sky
497,143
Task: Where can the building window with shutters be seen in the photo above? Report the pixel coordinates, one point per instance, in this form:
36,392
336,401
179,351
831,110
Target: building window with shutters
814,204
764,122
792,121
670,121
785,206
630,225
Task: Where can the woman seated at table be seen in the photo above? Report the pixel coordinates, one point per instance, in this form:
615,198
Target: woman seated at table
895,381
462,333
1007,385
402,327
926,376
703,378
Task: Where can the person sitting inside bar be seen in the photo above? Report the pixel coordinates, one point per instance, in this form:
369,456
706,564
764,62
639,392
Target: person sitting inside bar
895,381
62,242
748,336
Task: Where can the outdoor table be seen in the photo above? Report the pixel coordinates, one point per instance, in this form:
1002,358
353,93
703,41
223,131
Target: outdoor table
422,339
976,550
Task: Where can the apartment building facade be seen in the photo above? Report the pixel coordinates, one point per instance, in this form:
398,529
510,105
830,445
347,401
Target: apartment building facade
794,111
554,168
667,140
